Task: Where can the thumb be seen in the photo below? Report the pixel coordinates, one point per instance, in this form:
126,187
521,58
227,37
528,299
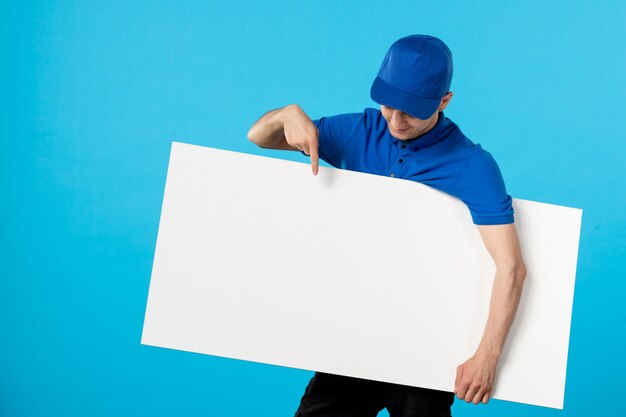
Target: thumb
459,376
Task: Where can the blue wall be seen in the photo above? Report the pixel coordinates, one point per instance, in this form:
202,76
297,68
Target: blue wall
92,93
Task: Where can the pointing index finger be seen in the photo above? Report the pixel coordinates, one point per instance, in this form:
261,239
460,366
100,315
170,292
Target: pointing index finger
315,163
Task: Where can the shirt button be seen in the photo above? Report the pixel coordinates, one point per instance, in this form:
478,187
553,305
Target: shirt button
400,160
392,175
403,146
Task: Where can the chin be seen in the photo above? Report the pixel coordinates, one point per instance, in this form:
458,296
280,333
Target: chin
401,136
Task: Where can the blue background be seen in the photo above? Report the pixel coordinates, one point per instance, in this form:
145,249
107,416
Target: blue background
92,93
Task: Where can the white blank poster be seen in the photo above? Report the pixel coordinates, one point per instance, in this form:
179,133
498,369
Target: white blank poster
351,274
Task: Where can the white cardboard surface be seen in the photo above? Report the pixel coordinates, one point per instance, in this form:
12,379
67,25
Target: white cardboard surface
351,274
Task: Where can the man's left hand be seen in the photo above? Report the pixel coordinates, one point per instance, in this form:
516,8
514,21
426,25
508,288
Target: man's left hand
475,377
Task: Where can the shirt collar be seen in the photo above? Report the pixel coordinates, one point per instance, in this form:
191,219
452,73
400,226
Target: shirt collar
434,135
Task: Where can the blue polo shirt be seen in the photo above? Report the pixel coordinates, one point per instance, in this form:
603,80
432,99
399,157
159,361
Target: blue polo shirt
442,158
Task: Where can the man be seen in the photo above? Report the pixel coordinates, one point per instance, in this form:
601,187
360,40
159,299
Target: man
410,138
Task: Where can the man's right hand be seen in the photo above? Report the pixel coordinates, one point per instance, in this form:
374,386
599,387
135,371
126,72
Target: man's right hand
301,133
288,128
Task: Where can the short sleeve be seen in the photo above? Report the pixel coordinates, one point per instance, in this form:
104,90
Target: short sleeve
334,133
480,186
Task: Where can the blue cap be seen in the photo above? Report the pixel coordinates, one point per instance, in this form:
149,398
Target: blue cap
415,75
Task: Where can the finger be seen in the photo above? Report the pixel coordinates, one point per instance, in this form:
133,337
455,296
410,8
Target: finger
305,149
462,390
471,393
485,398
457,381
479,396
315,160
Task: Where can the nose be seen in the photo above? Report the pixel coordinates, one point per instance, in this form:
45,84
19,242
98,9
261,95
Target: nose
398,119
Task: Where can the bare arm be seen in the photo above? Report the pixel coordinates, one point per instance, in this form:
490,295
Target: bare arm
475,377
287,128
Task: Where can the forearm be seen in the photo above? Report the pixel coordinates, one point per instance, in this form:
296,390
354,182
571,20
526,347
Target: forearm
287,128
475,377
505,296
269,130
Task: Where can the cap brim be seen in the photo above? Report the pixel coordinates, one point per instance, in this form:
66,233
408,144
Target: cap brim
388,95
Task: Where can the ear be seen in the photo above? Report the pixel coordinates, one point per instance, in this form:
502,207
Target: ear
445,100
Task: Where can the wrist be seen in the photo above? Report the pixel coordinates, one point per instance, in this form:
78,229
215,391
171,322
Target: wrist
487,350
288,112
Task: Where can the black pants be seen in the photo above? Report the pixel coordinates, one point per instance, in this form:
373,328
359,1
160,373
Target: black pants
341,396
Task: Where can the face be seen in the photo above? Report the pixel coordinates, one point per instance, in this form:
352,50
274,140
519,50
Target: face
404,126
